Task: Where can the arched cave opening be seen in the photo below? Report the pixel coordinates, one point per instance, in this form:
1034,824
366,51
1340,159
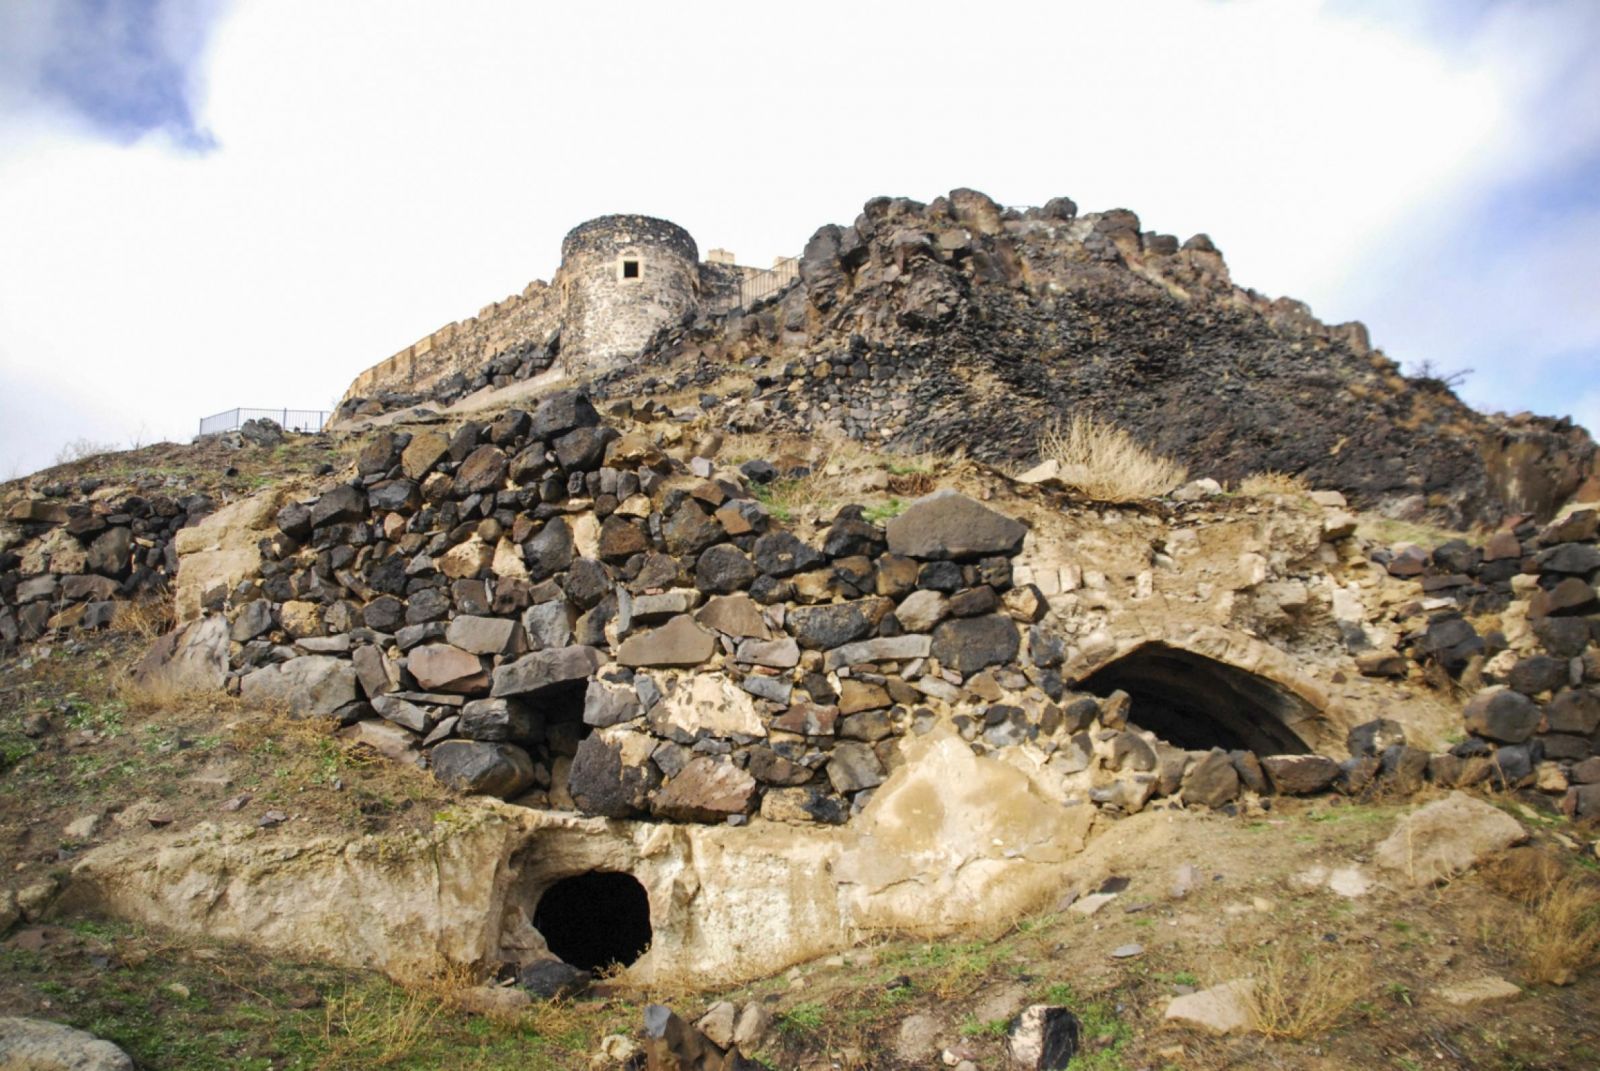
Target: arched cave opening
1199,703
596,919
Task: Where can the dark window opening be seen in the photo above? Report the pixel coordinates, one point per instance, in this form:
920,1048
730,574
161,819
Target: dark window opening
630,269
1198,703
560,712
595,920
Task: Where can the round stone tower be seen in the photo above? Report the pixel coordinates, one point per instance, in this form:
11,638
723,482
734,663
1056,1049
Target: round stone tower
621,278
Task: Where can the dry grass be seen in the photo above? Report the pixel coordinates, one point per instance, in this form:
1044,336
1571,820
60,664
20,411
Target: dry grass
147,617
1273,482
382,1029
1555,931
1300,992
1106,463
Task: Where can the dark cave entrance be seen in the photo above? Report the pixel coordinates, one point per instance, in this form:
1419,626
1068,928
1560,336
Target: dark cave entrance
596,919
1198,703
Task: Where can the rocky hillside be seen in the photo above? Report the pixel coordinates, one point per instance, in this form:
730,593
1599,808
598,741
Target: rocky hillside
962,326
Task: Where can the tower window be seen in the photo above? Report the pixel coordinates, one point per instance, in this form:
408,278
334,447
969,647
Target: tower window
630,268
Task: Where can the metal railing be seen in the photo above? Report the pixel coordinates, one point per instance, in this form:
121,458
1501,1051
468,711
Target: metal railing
304,420
764,284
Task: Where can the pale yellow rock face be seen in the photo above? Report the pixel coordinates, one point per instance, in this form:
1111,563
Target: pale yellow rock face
950,840
951,836
221,550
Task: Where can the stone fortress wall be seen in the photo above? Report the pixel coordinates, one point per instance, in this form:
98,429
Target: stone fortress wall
622,278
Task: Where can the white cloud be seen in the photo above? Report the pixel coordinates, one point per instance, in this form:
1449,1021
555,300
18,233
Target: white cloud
383,168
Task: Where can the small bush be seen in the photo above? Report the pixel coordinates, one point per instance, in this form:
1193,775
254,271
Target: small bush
1106,463
1300,993
1557,931
1272,482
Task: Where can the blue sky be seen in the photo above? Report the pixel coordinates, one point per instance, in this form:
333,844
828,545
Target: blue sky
210,204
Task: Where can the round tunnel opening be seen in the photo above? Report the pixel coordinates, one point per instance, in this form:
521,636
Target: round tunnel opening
1199,703
595,920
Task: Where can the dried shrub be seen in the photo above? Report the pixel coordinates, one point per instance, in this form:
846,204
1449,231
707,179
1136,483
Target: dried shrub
1273,482
148,618
1302,992
1107,464
1556,931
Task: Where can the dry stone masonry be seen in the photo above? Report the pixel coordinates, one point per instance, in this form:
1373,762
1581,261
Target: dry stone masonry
545,609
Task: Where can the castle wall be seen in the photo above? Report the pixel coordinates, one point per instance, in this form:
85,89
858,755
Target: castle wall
465,346
612,309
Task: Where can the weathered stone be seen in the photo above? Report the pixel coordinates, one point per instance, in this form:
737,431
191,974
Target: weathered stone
1043,1038
612,776
1571,596
1574,710
1211,781
1222,1009
583,449
853,767
483,470
783,653
921,611
1130,751
1537,673
499,721
423,452
808,719
806,804
560,413
689,531
723,570
606,704
542,671
784,554
821,628
108,554
342,505
1374,737
857,695
1300,775
734,615
1502,715
439,667
483,769
403,712
548,624
395,496
550,551
38,1045
680,642
1446,837
549,978
254,619
1382,664
620,539
707,790
312,685
1571,559
774,689
967,645
949,525
881,649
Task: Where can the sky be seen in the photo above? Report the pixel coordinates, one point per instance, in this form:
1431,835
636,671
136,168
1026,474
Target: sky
217,203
